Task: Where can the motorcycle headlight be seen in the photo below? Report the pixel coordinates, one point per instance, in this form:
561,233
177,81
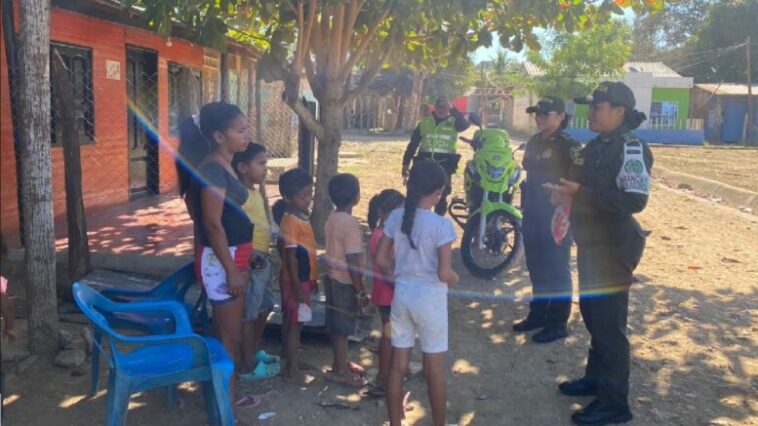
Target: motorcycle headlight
495,172
515,176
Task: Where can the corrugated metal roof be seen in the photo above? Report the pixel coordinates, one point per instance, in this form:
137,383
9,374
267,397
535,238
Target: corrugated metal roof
532,69
658,69
727,89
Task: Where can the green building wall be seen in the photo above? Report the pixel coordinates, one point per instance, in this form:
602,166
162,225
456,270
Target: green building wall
680,95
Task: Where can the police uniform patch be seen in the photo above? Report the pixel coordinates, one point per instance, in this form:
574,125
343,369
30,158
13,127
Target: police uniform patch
546,154
633,176
576,155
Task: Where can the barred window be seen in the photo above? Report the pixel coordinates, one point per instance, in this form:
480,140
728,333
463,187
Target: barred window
78,60
184,98
663,114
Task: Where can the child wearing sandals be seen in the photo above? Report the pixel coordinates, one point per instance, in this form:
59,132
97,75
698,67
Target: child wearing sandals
422,268
344,283
250,166
297,247
379,208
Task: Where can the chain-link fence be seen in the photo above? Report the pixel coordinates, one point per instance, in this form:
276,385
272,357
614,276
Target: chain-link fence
127,119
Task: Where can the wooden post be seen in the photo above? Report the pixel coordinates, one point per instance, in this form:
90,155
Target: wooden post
224,77
78,245
11,56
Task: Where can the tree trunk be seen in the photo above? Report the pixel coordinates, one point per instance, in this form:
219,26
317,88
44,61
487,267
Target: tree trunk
78,247
34,103
413,104
328,161
401,112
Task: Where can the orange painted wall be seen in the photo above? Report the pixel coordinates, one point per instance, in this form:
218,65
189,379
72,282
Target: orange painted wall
105,175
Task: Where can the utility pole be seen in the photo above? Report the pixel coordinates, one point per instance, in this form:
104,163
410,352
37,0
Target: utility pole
750,114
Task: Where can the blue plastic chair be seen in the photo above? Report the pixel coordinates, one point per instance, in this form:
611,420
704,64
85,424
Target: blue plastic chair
173,288
139,363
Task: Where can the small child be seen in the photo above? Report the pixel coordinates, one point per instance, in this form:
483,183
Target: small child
379,208
344,284
299,269
250,166
422,268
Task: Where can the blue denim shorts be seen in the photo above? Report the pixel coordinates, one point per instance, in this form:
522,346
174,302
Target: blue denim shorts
259,296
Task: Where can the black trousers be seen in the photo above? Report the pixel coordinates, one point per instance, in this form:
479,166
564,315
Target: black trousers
549,270
605,316
605,275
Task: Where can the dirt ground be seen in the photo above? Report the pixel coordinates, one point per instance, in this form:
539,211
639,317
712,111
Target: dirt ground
736,166
693,328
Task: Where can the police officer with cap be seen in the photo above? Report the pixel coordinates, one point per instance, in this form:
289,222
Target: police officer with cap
435,139
609,183
548,158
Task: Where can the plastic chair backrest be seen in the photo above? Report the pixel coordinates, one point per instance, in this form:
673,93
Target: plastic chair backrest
176,285
91,304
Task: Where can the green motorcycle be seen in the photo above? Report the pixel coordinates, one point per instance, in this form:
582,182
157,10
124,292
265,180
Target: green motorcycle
491,224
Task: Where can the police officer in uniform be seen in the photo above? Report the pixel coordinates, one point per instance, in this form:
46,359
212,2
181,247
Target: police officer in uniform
435,139
609,183
547,158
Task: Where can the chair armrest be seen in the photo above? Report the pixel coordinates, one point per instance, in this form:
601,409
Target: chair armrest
118,293
176,309
198,344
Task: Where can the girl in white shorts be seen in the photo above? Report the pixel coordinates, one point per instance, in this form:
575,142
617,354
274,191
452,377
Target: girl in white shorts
422,269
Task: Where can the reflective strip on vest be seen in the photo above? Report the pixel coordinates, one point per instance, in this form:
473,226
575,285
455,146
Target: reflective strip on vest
438,138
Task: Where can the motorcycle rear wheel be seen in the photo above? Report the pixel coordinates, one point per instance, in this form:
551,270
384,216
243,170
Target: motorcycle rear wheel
502,244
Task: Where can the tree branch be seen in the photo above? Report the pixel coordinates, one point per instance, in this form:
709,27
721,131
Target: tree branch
297,64
335,47
367,78
363,46
309,27
349,30
305,117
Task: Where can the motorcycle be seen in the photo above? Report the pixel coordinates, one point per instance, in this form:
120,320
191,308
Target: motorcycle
491,224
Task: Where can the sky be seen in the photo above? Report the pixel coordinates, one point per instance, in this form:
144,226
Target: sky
487,53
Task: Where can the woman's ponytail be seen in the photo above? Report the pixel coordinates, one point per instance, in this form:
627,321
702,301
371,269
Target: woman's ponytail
193,147
409,214
633,118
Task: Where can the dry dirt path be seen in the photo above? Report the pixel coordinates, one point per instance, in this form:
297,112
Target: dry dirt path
693,326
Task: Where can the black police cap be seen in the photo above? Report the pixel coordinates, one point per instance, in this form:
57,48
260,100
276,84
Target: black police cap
547,105
614,92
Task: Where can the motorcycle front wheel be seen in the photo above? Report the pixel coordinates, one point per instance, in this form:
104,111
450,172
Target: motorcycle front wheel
501,244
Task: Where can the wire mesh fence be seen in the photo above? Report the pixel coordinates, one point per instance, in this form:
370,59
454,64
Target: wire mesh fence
128,135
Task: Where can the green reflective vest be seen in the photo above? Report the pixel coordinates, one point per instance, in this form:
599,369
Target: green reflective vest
438,138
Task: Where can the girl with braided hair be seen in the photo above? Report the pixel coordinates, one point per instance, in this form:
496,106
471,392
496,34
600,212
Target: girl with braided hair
422,270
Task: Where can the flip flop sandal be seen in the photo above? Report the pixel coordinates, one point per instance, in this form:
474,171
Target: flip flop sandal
356,369
353,381
263,356
262,371
248,401
375,390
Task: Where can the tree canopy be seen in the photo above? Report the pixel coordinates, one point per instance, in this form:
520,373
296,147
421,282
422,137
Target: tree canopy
581,60
327,40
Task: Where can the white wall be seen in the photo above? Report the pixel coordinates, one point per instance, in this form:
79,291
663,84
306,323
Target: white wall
641,84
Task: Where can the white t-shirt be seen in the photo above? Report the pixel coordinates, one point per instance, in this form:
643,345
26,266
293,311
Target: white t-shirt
430,232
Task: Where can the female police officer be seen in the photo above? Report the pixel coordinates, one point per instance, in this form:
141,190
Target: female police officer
610,181
548,158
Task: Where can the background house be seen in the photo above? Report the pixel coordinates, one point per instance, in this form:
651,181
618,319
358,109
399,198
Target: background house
723,109
131,88
661,93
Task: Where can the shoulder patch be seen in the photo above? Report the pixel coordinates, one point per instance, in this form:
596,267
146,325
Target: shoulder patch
576,155
633,175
